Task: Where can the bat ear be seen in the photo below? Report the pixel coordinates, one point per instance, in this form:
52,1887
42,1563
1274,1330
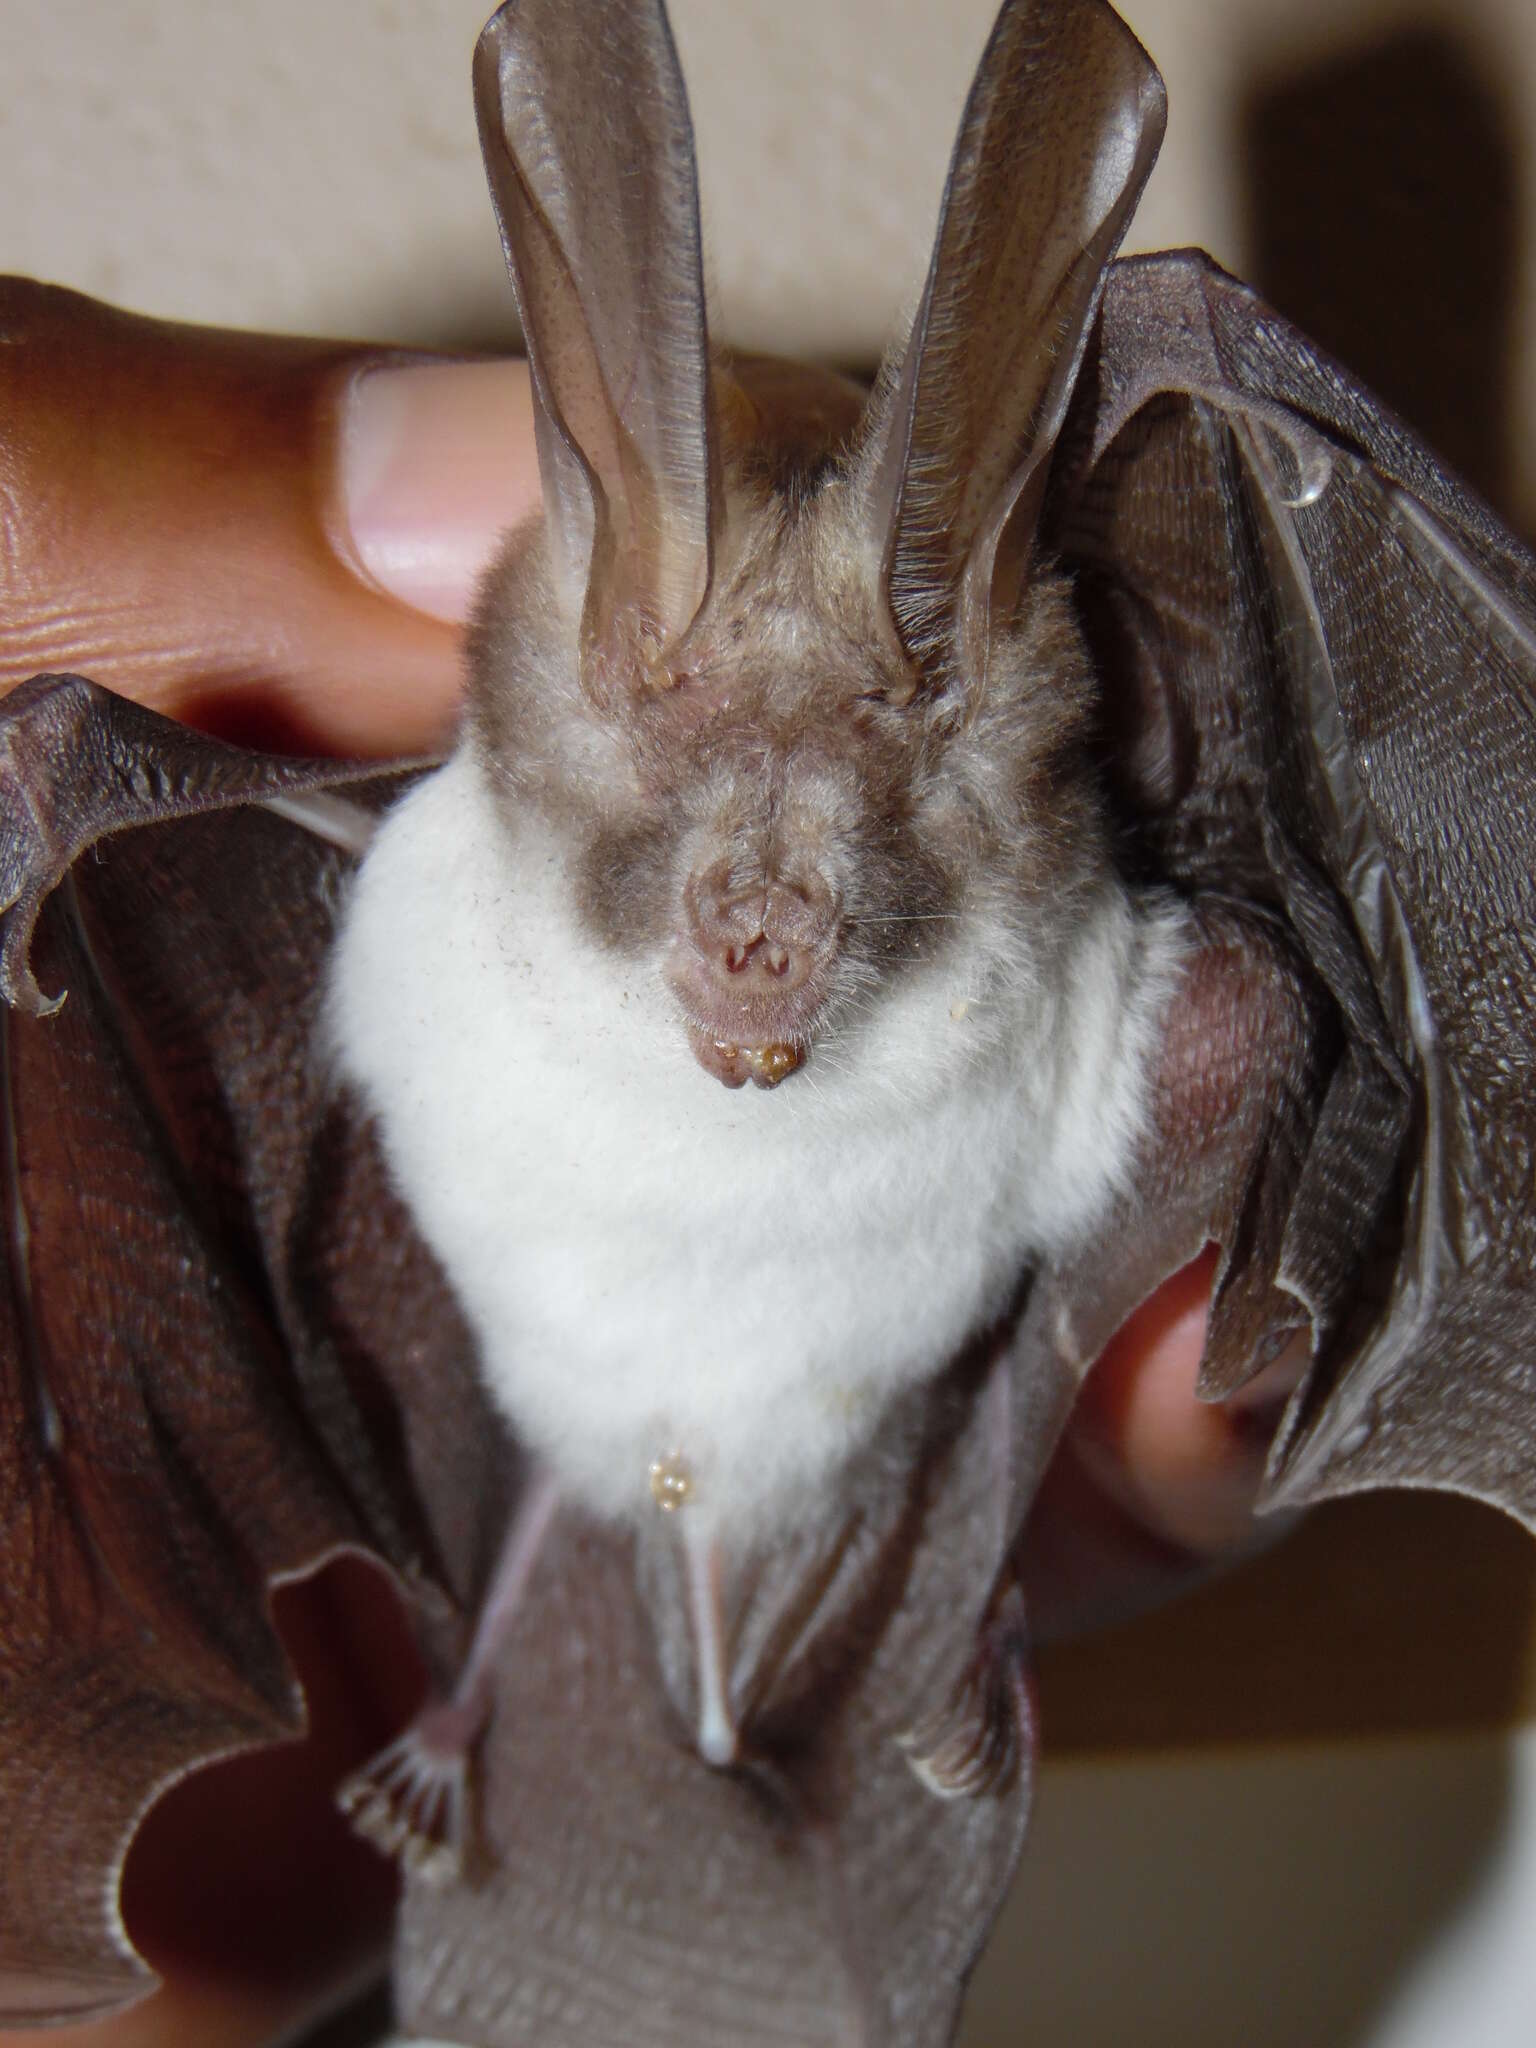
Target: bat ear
589,152
1061,129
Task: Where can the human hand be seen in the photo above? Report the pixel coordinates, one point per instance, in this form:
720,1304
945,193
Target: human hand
278,541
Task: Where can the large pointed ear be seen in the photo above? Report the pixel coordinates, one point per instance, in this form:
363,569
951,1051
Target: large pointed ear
589,151
1060,132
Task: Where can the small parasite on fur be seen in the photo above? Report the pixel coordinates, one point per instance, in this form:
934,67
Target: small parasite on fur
671,1482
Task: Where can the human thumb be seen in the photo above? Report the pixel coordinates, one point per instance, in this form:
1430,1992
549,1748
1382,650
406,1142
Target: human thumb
276,539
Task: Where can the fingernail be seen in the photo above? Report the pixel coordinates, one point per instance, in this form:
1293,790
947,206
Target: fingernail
435,462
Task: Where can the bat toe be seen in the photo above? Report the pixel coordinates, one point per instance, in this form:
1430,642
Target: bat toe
982,1737
411,1801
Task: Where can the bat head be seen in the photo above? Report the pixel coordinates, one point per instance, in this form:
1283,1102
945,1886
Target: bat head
780,664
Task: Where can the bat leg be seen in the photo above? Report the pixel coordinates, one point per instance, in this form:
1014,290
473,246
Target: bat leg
717,1737
412,1799
984,1733
979,1739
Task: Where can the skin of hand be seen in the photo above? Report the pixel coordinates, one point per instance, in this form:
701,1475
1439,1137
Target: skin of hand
278,541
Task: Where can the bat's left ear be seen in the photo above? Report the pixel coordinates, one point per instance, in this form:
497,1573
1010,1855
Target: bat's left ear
1060,132
589,152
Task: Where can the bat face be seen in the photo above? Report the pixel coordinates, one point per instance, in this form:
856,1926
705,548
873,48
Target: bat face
795,753
782,814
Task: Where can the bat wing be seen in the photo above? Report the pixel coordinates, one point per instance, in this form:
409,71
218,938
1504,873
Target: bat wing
192,1403
1319,656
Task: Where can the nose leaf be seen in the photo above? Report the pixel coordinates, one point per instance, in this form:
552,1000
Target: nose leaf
765,958
759,934
753,967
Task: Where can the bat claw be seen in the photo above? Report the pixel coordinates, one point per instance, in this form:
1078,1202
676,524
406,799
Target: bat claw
410,1801
977,1742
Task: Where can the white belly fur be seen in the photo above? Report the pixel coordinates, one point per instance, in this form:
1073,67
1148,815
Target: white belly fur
654,1263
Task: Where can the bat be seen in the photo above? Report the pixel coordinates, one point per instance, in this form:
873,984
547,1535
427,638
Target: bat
936,859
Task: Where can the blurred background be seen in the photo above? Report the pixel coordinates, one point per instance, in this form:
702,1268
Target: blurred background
1300,1808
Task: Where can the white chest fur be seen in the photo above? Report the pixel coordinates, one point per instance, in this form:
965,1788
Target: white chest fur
652,1263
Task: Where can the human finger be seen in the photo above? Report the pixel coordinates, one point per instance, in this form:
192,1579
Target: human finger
276,539
1151,1487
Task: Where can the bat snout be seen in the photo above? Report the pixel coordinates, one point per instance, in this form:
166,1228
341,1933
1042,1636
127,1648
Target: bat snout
752,965
760,936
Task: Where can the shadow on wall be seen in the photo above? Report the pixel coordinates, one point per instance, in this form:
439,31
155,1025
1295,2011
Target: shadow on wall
1383,217
1266,1900
1265,1805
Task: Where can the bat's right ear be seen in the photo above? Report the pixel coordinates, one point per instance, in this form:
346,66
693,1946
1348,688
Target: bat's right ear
589,151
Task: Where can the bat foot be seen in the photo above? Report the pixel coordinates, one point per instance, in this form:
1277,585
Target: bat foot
983,1735
411,1800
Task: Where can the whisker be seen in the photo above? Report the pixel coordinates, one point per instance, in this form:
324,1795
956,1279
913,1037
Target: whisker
908,917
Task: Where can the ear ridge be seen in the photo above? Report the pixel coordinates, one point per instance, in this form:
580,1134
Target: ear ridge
1060,132
589,153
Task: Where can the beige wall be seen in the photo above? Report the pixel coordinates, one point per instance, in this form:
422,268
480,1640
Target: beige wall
312,166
